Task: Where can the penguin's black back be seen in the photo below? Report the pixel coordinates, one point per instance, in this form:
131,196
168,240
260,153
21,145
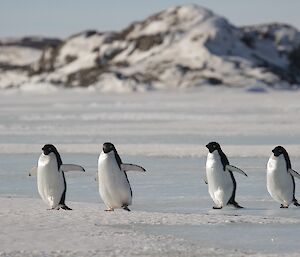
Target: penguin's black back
225,162
119,161
289,166
224,159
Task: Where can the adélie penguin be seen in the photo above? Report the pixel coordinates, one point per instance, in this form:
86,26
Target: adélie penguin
280,178
114,186
51,180
219,177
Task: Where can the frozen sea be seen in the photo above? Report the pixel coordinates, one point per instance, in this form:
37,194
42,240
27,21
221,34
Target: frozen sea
166,133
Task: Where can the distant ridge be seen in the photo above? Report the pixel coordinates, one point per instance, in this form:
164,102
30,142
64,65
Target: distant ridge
180,47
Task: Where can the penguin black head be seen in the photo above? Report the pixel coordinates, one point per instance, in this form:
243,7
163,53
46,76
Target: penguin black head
278,150
47,149
212,146
108,147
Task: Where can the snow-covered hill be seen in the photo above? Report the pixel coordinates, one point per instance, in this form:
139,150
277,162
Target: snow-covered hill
19,56
180,47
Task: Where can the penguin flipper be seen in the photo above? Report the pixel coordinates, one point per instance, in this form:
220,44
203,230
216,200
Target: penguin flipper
71,167
235,169
96,176
131,167
294,173
33,171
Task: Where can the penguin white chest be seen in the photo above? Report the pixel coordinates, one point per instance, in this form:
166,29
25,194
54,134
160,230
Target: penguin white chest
279,181
114,187
50,181
220,185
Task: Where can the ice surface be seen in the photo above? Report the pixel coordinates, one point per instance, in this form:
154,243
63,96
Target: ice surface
165,132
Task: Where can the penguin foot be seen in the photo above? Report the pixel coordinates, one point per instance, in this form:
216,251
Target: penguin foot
217,207
237,206
110,209
296,203
126,208
65,207
284,206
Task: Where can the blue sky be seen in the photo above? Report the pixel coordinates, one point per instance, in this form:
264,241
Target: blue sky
61,18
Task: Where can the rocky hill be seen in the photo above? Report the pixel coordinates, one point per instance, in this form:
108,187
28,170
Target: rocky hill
180,47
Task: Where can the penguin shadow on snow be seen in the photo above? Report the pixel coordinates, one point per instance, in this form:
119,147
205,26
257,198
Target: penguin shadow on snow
51,181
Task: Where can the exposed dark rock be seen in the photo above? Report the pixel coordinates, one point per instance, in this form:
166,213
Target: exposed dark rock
90,33
124,33
84,77
108,56
7,66
146,42
183,68
294,57
248,40
186,69
86,34
121,64
47,60
214,81
70,58
33,42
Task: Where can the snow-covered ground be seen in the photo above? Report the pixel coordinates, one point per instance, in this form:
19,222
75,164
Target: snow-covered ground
166,133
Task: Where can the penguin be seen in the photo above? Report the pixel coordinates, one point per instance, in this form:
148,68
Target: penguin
114,186
219,177
51,180
280,178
